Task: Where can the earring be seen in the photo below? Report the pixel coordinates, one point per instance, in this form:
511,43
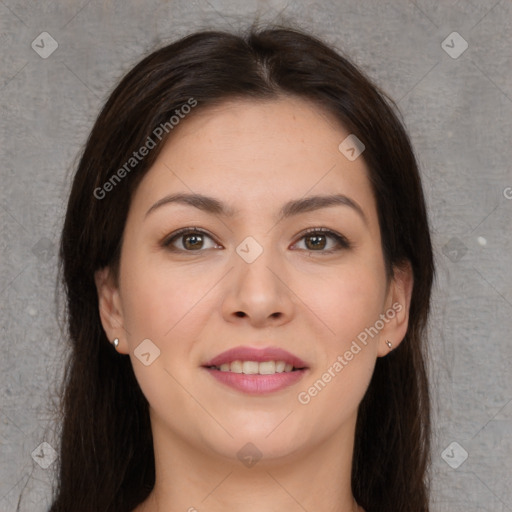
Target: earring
116,343
389,344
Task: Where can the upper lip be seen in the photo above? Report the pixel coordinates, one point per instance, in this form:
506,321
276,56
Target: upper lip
259,355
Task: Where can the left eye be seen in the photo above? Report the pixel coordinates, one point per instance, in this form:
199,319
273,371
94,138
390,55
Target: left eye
316,240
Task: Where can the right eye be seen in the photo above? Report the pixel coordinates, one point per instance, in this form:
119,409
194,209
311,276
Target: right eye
190,239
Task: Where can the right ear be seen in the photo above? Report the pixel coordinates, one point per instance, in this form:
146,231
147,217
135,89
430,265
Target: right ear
111,312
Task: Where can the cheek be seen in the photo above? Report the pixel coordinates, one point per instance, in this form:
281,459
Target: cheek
158,300
171,308
346,301
349,304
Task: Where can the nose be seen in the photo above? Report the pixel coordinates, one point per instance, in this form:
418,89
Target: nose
258,293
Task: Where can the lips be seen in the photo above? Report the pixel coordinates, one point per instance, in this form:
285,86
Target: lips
259,355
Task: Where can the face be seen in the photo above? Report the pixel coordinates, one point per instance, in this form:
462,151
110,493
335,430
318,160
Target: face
260,266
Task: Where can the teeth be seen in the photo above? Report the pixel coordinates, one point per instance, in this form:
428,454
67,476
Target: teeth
250,367
254,368
280,366
266,368
236,367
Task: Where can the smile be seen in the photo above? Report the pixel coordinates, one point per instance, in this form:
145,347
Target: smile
256,370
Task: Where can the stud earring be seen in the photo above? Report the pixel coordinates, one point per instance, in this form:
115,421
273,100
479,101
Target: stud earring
389,344
116,343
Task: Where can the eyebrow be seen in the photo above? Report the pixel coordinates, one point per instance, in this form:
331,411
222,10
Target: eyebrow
294,207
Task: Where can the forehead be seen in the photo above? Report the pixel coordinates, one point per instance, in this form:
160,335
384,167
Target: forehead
277,123
255,152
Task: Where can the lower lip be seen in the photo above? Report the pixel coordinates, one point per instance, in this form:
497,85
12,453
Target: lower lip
257,384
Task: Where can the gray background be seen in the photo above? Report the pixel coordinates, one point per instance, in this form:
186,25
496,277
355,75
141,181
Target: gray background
458,112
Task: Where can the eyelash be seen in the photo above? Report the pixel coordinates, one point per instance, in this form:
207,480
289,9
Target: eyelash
342,241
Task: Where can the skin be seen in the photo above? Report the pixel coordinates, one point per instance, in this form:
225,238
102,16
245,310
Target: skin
254,156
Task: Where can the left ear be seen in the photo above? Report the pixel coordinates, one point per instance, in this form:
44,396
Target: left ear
398,303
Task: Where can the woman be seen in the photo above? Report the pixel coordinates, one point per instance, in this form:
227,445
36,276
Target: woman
248,266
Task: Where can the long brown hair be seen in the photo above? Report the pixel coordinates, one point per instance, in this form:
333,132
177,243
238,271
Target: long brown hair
106,458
